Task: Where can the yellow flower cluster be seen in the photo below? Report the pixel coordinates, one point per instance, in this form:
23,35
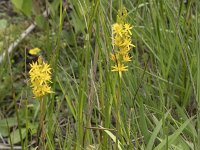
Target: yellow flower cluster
40,75
121,33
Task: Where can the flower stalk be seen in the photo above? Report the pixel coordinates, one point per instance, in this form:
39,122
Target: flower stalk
40,77
122,44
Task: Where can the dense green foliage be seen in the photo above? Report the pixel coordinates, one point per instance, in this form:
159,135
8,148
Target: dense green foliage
155,105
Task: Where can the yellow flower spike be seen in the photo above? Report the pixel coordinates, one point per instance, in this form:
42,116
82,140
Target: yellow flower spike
34,51
40,76
119,68
122,44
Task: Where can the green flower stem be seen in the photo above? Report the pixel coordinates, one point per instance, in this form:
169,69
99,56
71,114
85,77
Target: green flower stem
117,101
55,68
15,103
42,119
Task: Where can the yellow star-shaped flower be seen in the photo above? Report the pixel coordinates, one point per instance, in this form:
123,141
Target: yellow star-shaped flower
117,29
127,28
126,58
119,68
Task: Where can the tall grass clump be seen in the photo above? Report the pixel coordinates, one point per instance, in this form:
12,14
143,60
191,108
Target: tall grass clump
124,75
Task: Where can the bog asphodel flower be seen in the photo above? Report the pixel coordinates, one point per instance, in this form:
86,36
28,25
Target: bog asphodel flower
122,44
40,77
119,68
34,51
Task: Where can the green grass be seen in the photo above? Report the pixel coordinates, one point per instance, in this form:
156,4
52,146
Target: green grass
154,106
